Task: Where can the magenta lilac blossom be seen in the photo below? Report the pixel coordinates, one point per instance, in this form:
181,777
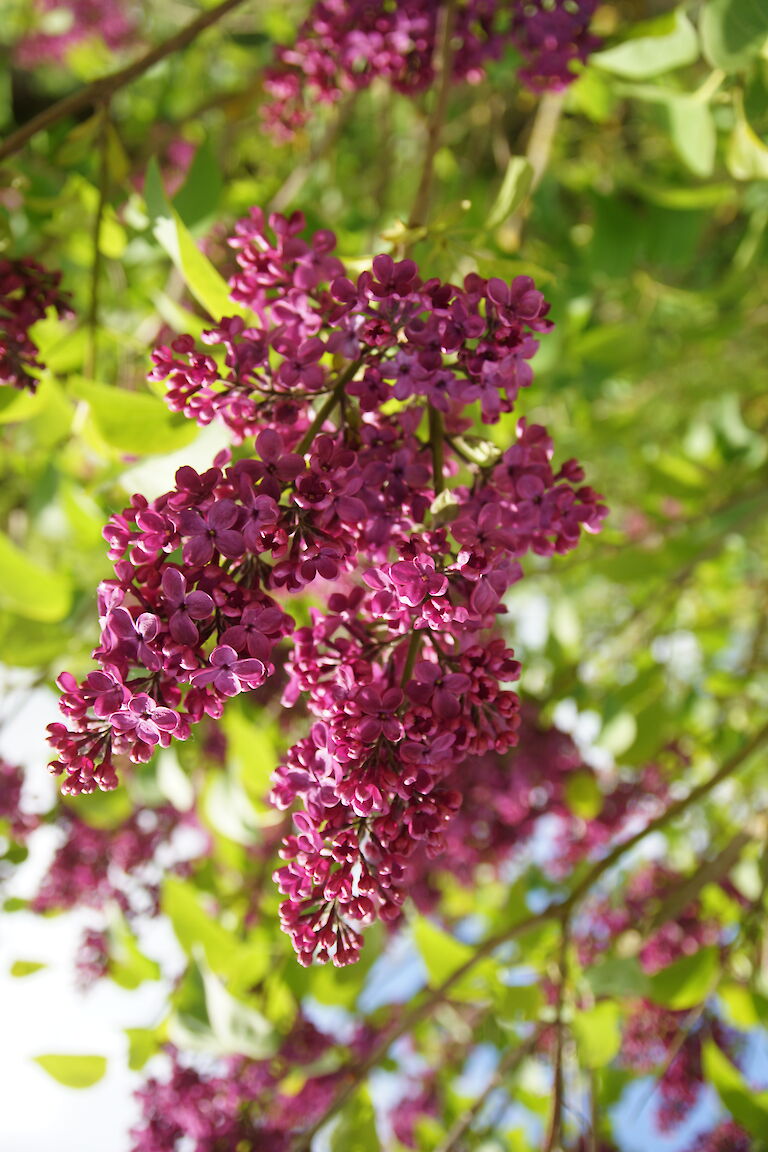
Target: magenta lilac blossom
367,485
344,45
64,24
27,291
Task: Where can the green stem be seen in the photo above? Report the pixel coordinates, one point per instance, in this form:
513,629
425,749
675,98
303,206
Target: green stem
98,260
509,1063
414,645
555,1131
538,152
436,443
443,75
106,86
327,407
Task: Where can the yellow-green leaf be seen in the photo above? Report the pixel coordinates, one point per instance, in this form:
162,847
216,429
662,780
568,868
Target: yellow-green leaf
74,1071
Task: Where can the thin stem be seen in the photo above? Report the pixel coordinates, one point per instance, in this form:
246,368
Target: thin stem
327,407
106,86
555,1130
677,809
436,443
323,147
509,1063
443,74
413,650
538,152
97,262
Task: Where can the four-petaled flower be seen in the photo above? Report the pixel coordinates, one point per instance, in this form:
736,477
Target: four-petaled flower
229,675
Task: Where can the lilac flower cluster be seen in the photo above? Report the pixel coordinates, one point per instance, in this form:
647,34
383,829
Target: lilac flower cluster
242,1105
344,45
360,397
726,1137
96,866
19,823
504,797
656,1037
114,22
27,290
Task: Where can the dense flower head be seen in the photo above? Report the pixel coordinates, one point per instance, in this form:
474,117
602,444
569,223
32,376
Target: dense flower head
726,1137
670,1043
366,487
63,24
344,45
242,1103
656,1038
27,290
19,822
93,867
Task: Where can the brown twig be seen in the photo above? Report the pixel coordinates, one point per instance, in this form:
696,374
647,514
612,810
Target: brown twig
509,1063
106,86
98,218
555,1129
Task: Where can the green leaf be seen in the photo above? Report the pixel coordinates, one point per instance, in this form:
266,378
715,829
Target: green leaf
658,46
733,32
692,130
74,1071
29,589
746,154
598,1034
21,968
514,188
200,276
136,423
237,1026
750,1109
129,967
618,976
583,795
356,1129
687,982
142,1044
241,962
201,193
441,953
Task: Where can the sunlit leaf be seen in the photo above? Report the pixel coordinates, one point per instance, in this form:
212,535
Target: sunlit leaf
74,1071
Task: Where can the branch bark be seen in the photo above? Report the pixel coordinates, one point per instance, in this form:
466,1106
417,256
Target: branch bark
105,87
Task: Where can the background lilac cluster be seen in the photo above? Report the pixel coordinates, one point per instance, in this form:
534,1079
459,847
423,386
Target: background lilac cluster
344,45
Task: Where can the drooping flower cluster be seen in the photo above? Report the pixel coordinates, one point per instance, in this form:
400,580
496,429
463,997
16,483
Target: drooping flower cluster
63,24
344,45
360,397
726,1137
506,796
246,1103
27,290
670,1043
657,1038
96,866
18,821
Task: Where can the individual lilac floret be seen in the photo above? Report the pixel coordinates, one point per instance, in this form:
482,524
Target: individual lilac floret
228,675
